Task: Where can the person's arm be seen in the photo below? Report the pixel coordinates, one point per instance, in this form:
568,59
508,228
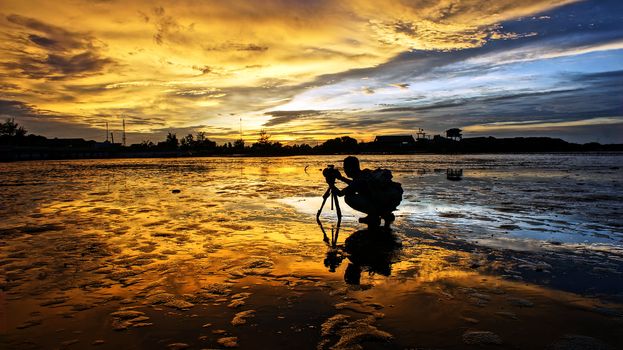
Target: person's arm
346,190
344,179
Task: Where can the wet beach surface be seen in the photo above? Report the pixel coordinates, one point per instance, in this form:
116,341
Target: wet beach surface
525,252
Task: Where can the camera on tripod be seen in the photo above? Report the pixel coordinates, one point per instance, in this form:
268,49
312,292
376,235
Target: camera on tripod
330,173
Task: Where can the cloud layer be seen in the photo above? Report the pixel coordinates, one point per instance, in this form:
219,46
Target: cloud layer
303,69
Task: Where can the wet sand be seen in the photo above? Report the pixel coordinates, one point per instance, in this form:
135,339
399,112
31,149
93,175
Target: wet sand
103,254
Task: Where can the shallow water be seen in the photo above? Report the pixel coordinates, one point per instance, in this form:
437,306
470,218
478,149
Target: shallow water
103,253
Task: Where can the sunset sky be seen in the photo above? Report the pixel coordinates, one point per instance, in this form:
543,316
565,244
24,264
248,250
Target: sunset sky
311,70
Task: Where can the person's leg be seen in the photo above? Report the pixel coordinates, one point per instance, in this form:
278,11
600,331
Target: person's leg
364,205
359,203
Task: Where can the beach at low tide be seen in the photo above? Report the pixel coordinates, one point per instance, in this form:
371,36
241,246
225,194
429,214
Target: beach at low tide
524,252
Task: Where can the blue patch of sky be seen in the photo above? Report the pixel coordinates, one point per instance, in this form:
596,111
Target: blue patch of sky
441,76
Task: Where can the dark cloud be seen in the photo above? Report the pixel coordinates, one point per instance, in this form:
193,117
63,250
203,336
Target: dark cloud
402,86
59,67
367,90
165,26
168,29
50,36
85,62
203,69
438,105
8,87
197,93
405,28
611,79
252,47
42,41
334,122
282,117
62,54
480,100
590,18
11,108
232,46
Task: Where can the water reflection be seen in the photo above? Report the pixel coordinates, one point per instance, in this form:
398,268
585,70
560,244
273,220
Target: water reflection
86,243
369,250
454,174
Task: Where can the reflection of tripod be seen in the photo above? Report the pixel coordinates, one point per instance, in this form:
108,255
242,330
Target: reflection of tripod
330,193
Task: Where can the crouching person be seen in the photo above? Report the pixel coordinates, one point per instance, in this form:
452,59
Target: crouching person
371,192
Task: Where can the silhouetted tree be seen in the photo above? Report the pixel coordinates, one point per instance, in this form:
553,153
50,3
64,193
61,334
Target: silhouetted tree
187,142
202,143
172,140
454,134
344,144
264,138
264,146
239,144
201,136
171,143
11,128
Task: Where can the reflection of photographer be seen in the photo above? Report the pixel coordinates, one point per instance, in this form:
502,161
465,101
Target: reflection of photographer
372,253
368,191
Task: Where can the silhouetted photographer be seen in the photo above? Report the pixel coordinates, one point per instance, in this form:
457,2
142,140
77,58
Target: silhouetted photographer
369,191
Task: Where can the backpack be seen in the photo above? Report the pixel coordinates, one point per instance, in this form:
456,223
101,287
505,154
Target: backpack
386,193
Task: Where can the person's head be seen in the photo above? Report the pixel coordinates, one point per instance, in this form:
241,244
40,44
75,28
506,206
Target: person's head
351,166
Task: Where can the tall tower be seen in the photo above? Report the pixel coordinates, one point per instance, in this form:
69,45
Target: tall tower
106,131
123,137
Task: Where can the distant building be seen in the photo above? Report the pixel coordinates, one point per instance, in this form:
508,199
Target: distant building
395,141
454,134
71,142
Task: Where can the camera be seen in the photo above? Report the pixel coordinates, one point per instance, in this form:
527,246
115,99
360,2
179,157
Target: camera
330,173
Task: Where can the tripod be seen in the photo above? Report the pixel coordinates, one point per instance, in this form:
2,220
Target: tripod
330,192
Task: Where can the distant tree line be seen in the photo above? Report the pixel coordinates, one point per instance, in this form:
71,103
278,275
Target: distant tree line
16,143
199,144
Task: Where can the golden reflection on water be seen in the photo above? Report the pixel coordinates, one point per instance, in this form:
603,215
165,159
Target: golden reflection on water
112,235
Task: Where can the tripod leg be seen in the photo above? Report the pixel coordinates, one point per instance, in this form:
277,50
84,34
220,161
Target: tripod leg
339,218
325,238
324,200
337,208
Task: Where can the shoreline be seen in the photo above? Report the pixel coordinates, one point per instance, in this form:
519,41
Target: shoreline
237,156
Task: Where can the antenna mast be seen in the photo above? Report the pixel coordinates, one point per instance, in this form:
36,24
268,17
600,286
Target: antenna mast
241,128
123,137
106,131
